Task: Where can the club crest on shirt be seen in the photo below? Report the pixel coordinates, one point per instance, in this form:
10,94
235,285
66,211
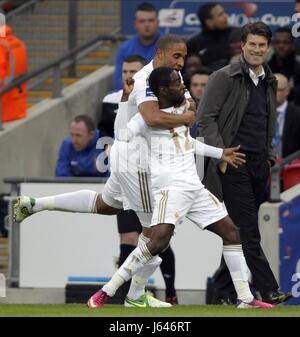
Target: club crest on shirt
149,93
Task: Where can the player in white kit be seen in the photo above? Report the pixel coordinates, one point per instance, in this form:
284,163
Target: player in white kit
129,183
178,192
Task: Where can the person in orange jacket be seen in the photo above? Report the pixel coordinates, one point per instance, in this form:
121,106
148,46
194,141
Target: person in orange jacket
13,63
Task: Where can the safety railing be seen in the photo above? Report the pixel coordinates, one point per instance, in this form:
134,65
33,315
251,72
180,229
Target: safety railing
276,175
28,5
64,61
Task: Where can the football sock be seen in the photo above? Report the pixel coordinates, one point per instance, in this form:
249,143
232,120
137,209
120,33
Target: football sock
83,201
236,263
133,264
167,268
125,250
139,280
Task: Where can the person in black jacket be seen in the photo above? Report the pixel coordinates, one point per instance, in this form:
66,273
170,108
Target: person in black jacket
239,108
212,44
131,65
284,60
287,134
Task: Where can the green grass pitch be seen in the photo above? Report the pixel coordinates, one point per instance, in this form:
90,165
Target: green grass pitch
80,310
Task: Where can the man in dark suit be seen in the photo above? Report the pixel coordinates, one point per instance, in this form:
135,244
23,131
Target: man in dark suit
287,136
239,108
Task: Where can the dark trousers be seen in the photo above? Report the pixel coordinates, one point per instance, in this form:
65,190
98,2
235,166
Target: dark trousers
243,191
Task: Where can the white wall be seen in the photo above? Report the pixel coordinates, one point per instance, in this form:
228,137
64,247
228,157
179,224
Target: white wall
55,245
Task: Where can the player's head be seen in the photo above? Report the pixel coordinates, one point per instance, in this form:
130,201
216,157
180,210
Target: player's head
171,51
82,131
146,21
256,38
131,65
167,86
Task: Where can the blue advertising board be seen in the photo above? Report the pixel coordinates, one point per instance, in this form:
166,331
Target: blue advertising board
180,17
289,215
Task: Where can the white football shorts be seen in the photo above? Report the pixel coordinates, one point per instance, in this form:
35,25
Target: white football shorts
200,206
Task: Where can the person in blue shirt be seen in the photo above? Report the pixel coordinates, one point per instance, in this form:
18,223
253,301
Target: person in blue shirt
143,43
77,155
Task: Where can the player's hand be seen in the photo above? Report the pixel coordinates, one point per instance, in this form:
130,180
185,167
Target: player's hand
127,89
232,157
190,117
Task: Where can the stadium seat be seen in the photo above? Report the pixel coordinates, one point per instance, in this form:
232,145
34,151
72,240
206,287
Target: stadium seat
291,175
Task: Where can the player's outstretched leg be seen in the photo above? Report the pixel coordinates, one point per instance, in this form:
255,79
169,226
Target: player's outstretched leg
83,201
236,263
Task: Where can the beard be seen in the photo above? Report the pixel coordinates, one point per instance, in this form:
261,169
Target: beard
178,101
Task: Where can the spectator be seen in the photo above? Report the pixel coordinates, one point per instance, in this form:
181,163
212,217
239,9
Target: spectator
130,66
239,108
287,135
143,43
13,63
192,64
198,83
235,46
284,59
78,153
212,43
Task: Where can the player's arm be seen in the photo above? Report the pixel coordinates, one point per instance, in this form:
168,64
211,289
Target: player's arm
121,132
154,117
229,155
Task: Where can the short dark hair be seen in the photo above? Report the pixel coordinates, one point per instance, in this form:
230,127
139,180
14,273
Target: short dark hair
256,28
160,77
204,12
135,58
87,120
201,71
145,7
167,40
285,30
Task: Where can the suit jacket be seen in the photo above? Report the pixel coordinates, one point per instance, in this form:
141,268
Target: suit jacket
222,108
291,130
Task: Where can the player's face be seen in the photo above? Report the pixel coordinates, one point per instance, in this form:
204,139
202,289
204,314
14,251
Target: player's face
255,49
176,89
80,135
146,24
129,69
174,56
